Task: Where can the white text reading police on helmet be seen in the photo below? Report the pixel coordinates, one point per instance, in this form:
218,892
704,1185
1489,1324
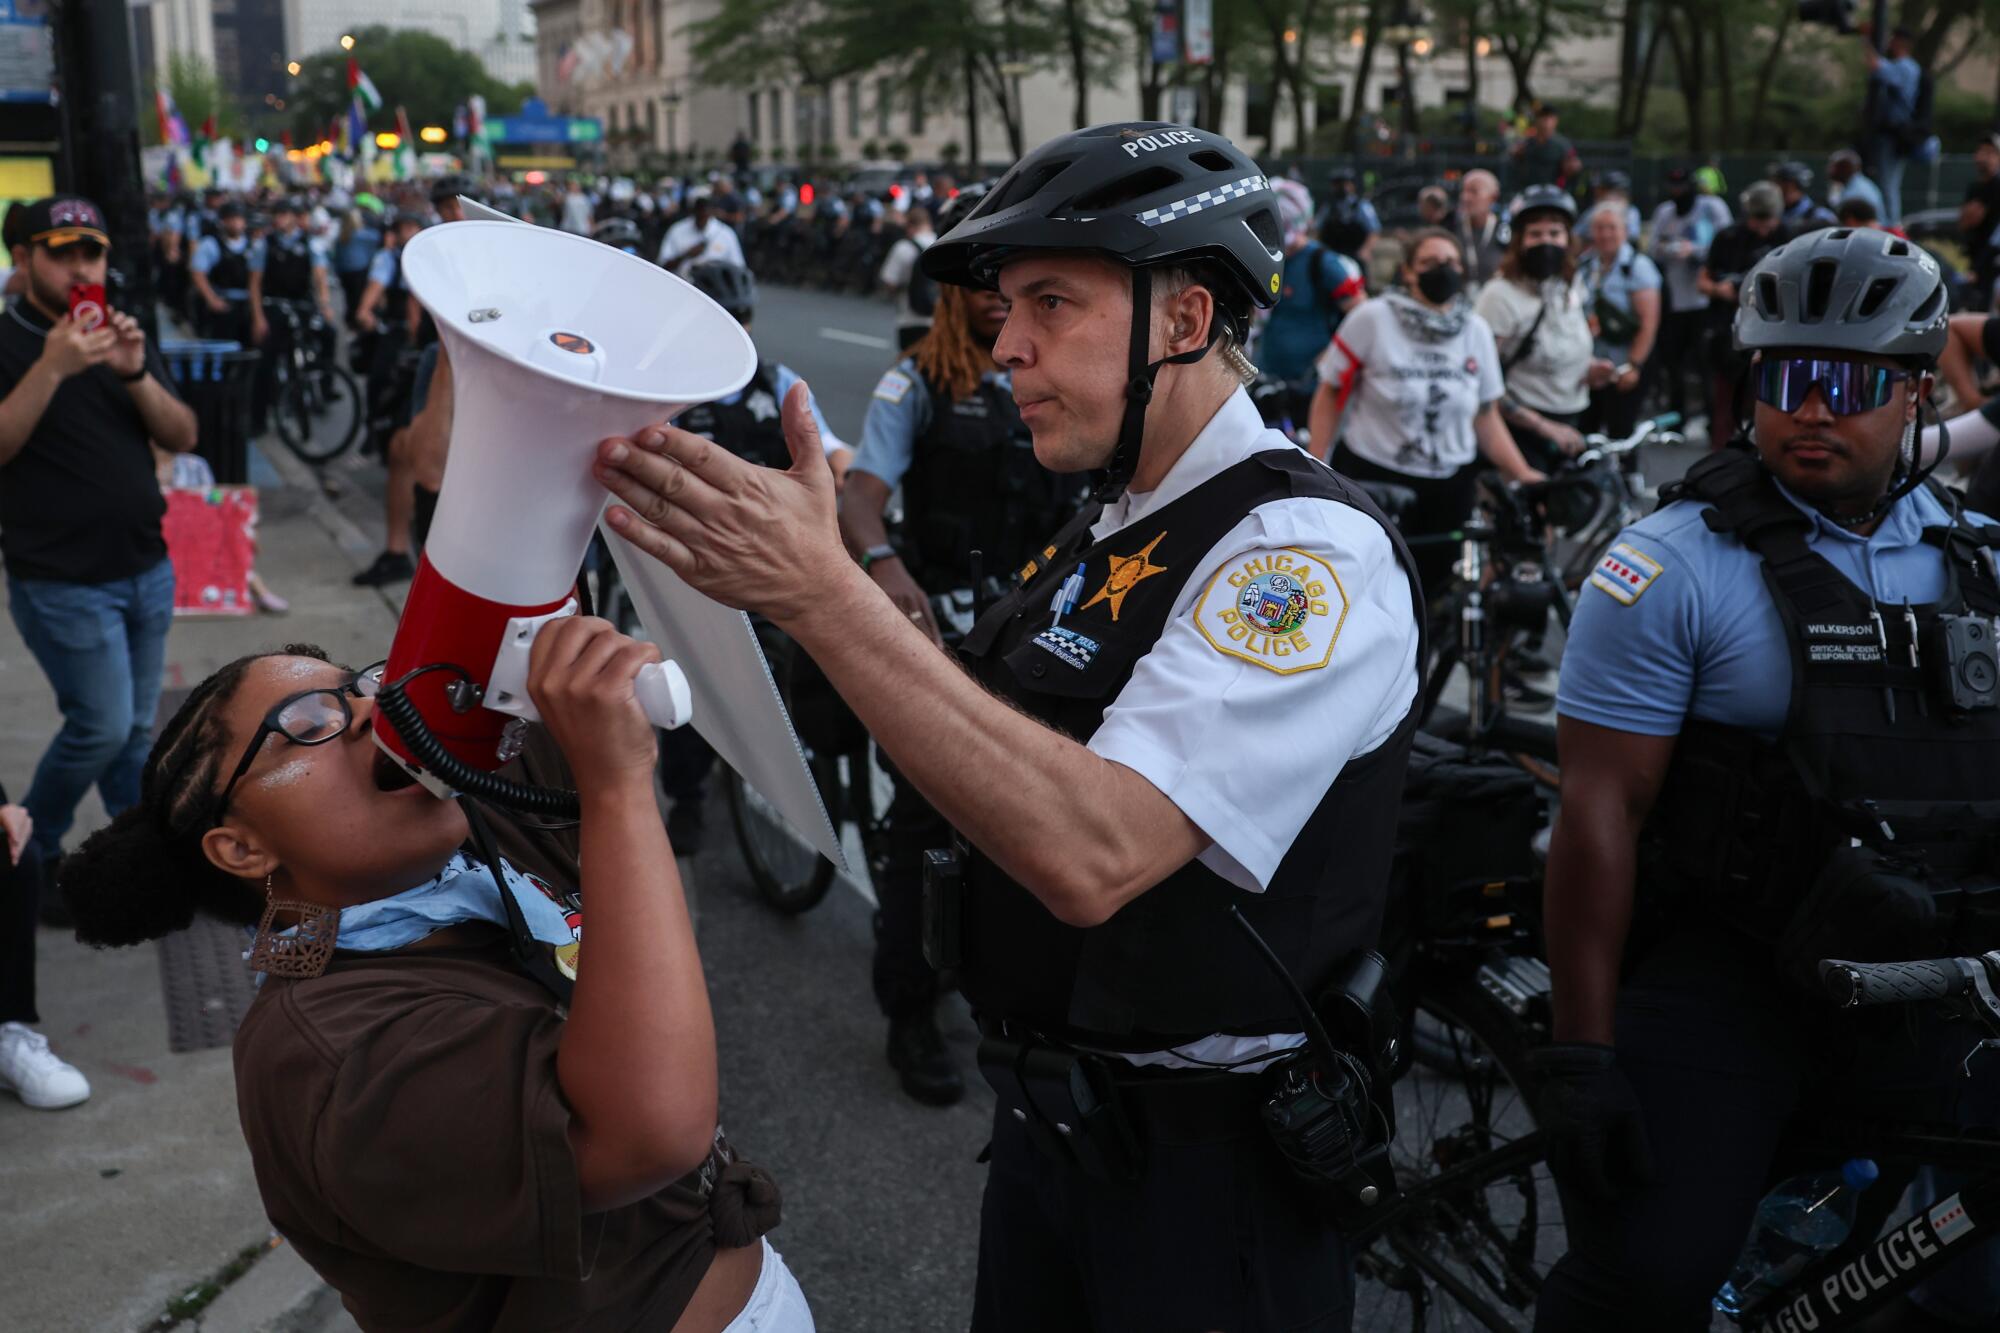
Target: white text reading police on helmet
1153,143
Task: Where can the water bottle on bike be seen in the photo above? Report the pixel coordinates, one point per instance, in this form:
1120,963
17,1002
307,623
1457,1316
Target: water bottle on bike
1802,1219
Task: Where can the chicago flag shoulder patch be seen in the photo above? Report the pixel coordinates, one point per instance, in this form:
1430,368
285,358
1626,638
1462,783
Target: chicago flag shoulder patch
1625,572
1281,609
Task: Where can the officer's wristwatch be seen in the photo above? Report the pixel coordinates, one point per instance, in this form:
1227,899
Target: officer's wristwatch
874,555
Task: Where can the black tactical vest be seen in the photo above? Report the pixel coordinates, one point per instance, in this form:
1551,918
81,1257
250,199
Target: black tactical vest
287,271
1871,749
750,427
1170,966
974,485
231,271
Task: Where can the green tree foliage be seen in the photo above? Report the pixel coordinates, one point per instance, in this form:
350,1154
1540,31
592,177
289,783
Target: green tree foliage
419,71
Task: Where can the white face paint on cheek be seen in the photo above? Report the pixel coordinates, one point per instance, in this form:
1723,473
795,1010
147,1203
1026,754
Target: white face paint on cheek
285,775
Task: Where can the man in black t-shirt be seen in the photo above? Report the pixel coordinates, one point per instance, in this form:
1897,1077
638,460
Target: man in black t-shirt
1979,217
88,582
1733,253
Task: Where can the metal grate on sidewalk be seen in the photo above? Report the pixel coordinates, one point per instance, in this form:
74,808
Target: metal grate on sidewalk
205,983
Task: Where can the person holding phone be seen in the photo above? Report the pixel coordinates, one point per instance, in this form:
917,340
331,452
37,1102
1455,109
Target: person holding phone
88,582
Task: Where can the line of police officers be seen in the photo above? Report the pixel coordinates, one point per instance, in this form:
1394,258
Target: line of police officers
1170,764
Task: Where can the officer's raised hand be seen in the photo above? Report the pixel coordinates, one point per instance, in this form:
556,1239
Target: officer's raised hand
751,537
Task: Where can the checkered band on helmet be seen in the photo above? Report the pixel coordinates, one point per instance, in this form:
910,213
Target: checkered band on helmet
1143,194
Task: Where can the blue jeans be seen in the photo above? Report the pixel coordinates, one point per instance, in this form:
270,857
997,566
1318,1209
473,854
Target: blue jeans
103,647
1888,166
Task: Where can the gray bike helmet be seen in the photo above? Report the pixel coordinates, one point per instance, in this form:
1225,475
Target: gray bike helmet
1536,199
1144,194
1846,290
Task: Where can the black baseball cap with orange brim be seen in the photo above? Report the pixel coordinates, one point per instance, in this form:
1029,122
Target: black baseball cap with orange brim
62,219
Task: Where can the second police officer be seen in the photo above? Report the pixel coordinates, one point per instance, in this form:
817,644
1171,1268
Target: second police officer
1775,749
747,424
942,425
1206,692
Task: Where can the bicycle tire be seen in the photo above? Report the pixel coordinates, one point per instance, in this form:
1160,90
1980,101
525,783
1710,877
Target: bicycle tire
790,877
1465,1248
300,423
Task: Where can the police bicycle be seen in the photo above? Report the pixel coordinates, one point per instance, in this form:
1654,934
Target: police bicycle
790,876
318,406
1476,1226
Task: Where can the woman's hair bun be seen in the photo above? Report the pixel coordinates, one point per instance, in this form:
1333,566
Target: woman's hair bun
125,884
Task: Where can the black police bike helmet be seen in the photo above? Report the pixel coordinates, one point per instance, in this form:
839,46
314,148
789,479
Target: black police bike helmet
730,286
959,207
1540,199
1144,194
1846,290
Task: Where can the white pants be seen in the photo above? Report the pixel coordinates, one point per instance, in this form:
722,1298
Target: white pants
776,1304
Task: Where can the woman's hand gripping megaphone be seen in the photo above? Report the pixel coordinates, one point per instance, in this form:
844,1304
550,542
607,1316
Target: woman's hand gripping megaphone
750,537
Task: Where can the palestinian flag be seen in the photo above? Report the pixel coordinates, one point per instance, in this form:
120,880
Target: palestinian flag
361,87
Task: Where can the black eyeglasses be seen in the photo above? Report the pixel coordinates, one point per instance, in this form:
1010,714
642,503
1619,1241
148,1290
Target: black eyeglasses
310,717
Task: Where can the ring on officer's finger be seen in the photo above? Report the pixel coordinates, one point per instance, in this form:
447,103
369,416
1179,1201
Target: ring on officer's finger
917,615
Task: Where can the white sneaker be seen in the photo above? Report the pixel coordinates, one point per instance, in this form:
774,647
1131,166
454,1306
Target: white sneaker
36,1074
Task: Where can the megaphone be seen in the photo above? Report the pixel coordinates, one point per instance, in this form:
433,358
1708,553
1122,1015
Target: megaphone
555,343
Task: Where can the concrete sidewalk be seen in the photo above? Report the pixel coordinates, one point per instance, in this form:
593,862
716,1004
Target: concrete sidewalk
144,1193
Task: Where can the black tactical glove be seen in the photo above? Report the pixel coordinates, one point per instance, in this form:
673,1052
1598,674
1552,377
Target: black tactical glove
1590,1122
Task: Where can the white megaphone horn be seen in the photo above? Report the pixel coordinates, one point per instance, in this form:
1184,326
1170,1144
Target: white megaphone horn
556,341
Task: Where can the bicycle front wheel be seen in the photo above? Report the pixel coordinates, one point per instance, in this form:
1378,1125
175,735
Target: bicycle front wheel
790,876
1480,1224
320,413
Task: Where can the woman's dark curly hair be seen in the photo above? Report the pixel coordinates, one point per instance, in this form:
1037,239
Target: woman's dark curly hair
144,875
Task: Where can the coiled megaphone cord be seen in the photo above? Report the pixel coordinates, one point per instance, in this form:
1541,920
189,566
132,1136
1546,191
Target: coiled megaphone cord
394,703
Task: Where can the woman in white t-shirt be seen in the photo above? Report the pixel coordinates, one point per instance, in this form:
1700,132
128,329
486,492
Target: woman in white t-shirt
1410,387
1540,316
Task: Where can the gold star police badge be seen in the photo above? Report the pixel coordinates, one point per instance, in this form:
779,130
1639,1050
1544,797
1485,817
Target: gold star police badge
1126,571
1281,609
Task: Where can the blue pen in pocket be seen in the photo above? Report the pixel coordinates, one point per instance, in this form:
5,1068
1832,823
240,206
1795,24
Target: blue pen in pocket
1064,601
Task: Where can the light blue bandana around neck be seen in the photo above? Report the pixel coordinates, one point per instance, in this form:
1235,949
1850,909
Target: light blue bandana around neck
462,891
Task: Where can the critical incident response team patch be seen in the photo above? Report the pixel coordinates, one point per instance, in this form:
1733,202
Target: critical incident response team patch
1281,609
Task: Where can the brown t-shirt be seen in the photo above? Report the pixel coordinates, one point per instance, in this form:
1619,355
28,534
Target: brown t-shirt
410,1139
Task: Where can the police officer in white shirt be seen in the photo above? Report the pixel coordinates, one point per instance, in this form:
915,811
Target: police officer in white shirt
1208,684
702,238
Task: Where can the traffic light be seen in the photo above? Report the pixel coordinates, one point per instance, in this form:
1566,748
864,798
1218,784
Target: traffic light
263,144
1836,14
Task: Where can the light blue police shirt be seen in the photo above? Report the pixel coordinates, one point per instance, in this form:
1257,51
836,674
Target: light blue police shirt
1676,621
384,269
898,413
208,254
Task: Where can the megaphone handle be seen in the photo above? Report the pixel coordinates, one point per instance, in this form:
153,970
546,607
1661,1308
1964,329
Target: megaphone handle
663,693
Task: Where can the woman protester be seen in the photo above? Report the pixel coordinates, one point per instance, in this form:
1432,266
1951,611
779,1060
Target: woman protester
1410,388
1623,289
1540,320
450,1144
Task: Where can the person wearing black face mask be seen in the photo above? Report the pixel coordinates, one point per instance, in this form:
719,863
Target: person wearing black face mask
1541,319
1410,387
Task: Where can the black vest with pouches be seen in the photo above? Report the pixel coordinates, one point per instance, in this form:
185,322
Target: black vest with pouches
1170,965
1871,749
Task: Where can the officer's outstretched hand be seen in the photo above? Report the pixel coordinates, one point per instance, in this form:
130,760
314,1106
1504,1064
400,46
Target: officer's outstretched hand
1590,1121
751,537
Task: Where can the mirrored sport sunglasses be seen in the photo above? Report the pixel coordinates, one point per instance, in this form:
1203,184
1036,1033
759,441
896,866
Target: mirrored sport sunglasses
1848,386
310,717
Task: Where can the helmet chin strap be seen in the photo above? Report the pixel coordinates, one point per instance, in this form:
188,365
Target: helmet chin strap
1112,479
1909,465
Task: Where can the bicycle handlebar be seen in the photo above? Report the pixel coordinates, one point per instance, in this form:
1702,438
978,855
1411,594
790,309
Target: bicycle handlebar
1852,985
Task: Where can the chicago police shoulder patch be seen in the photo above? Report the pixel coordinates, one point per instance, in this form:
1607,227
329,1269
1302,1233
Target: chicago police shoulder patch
892,387
1280,608
1625,572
